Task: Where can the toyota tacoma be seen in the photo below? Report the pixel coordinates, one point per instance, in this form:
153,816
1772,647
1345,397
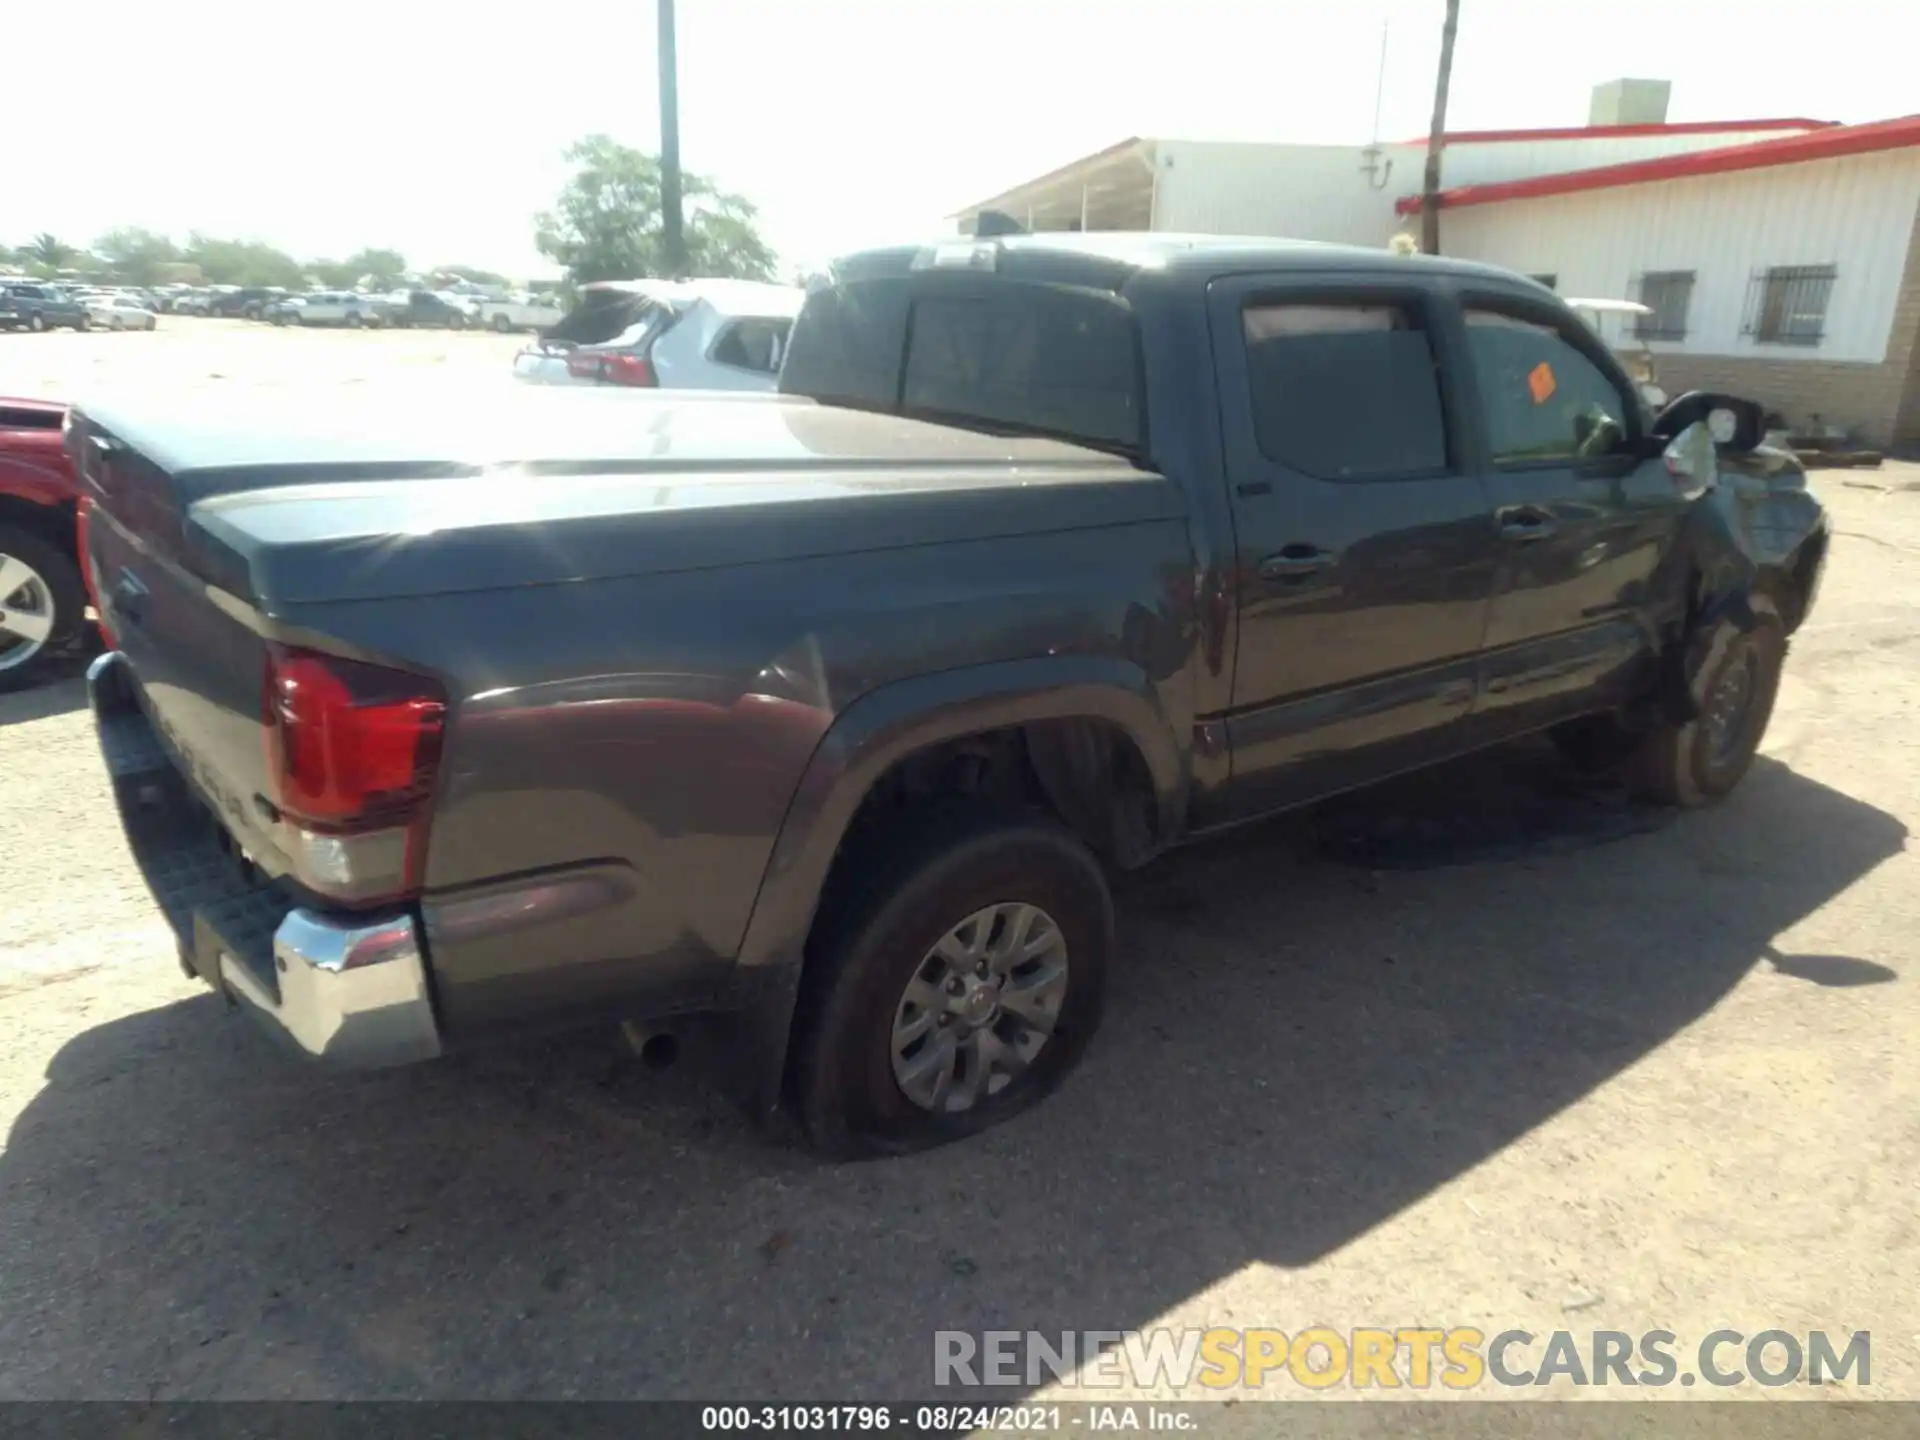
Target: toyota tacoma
819,721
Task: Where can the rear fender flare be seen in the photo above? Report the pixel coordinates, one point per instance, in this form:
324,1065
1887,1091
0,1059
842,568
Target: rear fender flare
868,739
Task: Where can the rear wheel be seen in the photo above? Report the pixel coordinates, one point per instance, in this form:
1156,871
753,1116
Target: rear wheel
36,321
501,323
353,319
43,612
953,980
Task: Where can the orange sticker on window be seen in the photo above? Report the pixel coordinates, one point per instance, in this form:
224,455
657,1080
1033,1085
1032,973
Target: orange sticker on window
1540,383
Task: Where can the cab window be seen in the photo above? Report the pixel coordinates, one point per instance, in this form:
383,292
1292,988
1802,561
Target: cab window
1346,391
1542,399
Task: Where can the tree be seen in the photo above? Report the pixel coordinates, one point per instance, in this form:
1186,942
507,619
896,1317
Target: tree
243,262
1437,137
48,251
334,274
607,223
383,269
135,255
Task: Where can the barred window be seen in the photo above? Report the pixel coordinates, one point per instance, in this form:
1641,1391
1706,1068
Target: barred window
1667,293
1787,305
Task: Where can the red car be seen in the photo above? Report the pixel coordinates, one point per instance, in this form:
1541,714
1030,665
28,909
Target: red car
43,599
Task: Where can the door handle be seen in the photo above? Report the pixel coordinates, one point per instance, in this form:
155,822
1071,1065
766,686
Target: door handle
1295,563
1525,522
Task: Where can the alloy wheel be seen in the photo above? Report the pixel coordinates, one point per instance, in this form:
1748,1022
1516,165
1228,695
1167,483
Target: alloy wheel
979,1007
26,612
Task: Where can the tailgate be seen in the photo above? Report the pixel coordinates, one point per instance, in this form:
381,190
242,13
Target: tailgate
199,666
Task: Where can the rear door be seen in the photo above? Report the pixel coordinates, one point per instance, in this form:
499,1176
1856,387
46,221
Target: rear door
1365,553
1584,516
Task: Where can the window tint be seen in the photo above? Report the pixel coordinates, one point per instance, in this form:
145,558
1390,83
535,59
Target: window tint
752,344
1064,362
1345,392
1544,400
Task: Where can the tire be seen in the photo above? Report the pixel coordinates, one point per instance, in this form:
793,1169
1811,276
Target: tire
502,324
456,322
56,578
910,891
353,320
36,322
1734,687
85,322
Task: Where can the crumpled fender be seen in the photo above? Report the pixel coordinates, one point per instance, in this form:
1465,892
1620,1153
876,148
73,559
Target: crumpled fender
1740,547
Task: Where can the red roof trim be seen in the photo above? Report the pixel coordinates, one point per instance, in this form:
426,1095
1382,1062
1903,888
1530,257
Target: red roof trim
1825,144
1614,132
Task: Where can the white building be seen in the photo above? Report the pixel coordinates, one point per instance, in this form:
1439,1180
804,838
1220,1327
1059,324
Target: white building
1787,269
1781,255
1338,193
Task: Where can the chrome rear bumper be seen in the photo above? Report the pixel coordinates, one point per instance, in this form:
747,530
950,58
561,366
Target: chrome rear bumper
348,990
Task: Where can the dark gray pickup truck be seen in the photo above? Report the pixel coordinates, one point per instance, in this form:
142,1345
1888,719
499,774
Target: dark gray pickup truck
815,722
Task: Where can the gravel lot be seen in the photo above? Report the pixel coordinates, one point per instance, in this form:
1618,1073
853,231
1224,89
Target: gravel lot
1485,1050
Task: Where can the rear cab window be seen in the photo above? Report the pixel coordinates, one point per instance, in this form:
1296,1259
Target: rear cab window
978,349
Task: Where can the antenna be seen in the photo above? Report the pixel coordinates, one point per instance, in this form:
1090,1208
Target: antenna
1378,173
1380,84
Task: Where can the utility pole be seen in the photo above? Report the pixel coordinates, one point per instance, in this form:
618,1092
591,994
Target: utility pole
1437,138
672,228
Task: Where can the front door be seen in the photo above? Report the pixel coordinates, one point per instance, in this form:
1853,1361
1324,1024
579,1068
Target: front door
1365,554
1584,513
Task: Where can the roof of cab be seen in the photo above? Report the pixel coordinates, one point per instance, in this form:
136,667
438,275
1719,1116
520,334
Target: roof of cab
1114,257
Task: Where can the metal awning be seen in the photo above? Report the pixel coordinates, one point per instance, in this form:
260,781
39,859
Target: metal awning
1111,189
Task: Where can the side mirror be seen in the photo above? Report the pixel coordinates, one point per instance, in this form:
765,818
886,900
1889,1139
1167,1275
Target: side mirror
1692,459
1731,423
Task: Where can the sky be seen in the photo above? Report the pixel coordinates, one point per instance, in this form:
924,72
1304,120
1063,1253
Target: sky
437,128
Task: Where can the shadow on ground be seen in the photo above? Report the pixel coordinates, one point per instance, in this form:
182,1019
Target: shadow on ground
1300,1044
59,689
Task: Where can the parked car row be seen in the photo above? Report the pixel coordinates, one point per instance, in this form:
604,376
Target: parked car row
406,307
40,305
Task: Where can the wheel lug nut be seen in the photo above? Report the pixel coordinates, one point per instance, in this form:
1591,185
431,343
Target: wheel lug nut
955,986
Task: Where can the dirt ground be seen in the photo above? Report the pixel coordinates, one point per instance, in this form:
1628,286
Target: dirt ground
1489,1049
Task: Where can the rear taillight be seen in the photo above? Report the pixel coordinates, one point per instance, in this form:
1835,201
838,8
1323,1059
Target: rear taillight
627,370
616,368
352,751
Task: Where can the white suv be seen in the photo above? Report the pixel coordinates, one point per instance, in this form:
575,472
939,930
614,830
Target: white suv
327,307
676,335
